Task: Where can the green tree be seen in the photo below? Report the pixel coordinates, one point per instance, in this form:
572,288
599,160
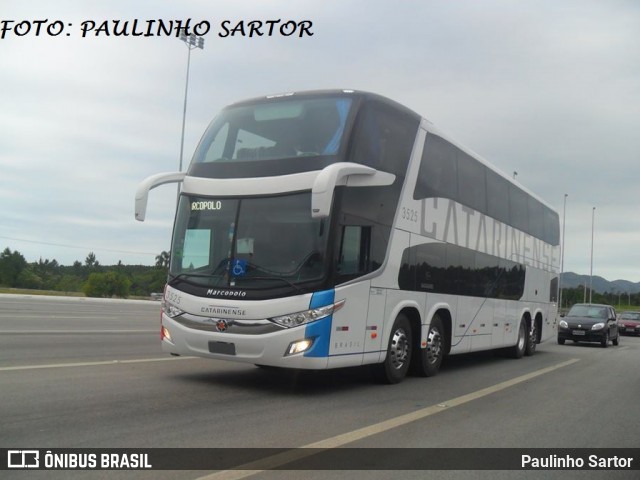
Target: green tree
90,263
121,285
69,283
162,260
95,286
107,285
77,269
11,265
48,271
28,278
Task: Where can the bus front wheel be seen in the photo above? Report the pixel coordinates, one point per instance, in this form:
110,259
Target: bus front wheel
395,366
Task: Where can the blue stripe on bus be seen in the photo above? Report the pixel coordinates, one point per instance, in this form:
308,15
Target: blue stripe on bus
322,299
320,329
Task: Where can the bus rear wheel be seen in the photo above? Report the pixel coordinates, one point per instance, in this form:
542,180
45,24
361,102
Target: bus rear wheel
517,351
532,339
426,361
395,366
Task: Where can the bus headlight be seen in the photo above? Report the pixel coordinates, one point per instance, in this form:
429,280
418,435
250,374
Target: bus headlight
171,310
308,316
164,334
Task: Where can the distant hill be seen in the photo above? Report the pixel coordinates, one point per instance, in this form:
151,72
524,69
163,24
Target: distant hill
600,285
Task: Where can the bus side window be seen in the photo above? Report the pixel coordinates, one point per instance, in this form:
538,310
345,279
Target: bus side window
354,250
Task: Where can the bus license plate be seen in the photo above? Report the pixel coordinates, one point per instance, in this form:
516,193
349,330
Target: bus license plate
223,348
578,332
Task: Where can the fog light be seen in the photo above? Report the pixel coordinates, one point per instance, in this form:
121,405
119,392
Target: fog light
299,346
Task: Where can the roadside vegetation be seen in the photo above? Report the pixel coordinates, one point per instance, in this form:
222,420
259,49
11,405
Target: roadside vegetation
620,301
89,278
123,281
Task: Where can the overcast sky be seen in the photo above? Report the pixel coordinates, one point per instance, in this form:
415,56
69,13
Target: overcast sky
548,89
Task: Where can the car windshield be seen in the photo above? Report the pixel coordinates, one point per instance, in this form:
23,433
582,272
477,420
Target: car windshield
248,242
589,311
630,316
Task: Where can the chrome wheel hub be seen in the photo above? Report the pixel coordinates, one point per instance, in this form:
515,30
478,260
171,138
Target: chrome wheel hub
434,346
399,350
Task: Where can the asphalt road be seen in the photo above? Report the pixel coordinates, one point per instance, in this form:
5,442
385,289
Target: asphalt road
78,373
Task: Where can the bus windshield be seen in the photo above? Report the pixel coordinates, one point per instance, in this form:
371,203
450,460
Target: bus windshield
248,242
270,130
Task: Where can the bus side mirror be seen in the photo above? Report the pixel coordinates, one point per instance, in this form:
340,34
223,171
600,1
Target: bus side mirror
142,193
343,173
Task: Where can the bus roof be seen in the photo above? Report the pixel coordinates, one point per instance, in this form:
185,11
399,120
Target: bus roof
357,94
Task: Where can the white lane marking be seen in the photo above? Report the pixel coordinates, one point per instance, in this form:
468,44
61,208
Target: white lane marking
283,458
92,364
64,299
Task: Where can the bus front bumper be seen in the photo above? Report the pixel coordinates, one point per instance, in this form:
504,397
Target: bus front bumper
284,348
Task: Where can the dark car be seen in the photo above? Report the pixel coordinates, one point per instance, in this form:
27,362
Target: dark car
589,323
629,323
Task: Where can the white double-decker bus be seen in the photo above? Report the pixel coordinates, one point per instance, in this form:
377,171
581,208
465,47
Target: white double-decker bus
329,229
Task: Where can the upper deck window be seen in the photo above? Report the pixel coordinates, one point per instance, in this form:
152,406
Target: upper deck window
383,137
277,129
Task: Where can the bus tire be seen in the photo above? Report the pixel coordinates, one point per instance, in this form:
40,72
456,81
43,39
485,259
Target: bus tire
396,364
428,360
532,340
517,351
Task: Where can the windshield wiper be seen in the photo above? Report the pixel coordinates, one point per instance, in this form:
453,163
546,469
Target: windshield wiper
284,280
181,277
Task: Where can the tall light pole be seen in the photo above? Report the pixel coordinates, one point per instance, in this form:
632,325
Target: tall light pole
593,217
564,221
192,41
619,293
